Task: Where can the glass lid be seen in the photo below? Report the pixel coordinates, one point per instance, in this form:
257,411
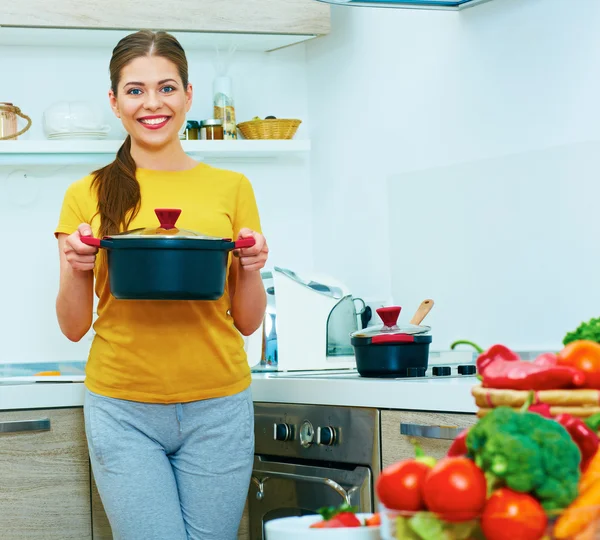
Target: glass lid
389,316
167,218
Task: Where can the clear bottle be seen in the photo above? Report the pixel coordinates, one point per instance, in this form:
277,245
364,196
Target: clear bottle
223,105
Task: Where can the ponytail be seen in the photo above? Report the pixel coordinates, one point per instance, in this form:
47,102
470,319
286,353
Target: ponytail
118,192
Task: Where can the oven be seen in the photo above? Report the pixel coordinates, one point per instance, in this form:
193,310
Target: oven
310,456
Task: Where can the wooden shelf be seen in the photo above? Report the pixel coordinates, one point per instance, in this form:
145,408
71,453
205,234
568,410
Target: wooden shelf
78,151
82,38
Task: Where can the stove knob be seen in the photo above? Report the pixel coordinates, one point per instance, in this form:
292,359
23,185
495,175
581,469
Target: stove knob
282,432
467,370
441,371
326,436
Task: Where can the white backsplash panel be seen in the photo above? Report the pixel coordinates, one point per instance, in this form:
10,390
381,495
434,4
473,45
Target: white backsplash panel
507,246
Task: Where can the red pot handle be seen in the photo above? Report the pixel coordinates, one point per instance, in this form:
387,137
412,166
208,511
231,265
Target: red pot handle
245,242
90,241
393,338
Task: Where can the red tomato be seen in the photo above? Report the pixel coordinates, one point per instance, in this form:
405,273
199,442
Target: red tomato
399,486
509,515
455,489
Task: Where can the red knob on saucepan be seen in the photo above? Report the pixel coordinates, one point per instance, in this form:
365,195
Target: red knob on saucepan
167,217
389,315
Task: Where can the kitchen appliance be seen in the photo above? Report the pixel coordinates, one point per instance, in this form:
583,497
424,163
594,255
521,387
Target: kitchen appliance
9,129
310,456
453,5
389,350
166,263
308,323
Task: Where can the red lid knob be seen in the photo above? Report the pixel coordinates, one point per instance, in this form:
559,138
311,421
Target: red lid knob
389,315
167,217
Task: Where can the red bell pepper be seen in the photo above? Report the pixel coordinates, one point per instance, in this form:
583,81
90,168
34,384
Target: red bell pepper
586,439
459,445
502,368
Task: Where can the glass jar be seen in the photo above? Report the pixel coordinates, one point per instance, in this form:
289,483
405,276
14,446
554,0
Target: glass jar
192,130
212,130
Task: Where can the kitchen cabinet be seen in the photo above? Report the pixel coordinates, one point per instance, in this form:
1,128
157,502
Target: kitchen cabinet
214,16
433,431
44,475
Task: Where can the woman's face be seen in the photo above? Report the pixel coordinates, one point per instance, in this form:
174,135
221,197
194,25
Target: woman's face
151,101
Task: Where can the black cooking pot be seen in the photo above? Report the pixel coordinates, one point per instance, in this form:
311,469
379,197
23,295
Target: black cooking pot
166,263
391,351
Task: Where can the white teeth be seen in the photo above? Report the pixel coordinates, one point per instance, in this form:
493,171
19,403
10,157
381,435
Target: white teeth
153,121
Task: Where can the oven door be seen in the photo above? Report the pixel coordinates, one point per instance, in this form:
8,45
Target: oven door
282,489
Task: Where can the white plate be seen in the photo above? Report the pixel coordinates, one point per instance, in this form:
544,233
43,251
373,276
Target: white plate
298,528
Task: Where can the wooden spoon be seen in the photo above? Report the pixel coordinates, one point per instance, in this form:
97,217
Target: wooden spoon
422,312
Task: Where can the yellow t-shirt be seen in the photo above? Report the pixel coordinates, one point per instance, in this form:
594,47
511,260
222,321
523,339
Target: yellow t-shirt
168,351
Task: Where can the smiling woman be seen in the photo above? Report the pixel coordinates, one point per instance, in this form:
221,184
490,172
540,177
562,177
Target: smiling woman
168,409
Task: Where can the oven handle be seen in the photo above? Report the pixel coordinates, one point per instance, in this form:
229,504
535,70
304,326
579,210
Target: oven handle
314,479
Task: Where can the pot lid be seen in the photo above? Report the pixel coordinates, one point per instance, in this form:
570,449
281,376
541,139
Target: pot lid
167,229
389,316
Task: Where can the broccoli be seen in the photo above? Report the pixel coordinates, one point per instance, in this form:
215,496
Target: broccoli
587,330
527,453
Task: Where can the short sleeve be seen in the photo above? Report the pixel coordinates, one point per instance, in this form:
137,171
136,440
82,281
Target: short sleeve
75,207
246,212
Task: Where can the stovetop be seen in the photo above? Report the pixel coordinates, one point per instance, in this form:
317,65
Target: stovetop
432,372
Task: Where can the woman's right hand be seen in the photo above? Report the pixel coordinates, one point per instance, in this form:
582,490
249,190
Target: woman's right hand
79,255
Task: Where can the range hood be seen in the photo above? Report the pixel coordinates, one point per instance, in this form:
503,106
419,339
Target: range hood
409,4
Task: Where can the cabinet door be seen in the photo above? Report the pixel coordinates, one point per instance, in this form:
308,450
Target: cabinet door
433,431
44,475
249,16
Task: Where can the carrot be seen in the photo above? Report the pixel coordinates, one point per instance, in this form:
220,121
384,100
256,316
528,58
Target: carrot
589,533
591,474
582,511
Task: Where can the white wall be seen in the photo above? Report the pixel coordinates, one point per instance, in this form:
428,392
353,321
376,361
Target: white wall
508,85
31,196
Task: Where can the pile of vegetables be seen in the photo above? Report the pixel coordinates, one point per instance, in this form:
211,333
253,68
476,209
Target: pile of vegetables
515,474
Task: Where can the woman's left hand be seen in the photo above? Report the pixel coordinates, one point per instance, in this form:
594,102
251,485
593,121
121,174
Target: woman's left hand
252,259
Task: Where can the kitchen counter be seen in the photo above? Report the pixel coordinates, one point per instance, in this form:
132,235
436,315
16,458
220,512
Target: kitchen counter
447,395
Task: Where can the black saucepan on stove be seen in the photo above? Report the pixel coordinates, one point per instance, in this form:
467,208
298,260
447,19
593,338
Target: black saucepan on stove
392,351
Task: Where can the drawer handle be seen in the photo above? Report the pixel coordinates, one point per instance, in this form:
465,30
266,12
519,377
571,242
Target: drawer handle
430,432
21,426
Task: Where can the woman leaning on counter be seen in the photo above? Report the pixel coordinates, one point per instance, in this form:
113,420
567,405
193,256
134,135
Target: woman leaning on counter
168,409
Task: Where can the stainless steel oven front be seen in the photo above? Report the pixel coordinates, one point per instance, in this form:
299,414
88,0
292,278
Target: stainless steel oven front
310,456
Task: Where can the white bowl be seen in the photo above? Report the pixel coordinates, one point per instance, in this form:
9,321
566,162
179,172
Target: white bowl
73,117
298,528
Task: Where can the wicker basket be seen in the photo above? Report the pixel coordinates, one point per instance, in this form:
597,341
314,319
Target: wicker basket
269,129
578,402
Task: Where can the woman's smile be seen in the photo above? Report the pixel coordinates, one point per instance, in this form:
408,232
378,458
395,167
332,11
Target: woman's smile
154,122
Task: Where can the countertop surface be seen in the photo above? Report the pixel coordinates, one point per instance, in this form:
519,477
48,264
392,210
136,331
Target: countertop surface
443,394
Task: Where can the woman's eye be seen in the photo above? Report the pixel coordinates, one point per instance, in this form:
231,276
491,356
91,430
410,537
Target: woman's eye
168,89
135,91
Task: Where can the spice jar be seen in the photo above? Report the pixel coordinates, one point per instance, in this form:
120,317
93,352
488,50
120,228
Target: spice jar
192,130
212,130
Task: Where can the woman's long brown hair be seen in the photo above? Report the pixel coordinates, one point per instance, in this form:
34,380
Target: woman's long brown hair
116,185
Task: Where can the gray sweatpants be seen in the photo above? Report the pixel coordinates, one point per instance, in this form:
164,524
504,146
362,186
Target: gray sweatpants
172,472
